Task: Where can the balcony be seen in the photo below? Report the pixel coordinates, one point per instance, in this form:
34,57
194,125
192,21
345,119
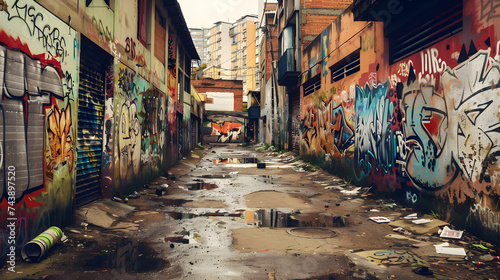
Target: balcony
288,68
289,7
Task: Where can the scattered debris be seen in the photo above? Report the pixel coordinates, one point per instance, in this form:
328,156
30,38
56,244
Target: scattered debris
351,192
411,217
117,199
134,195
450,233
423,270
444,248
380,219
421,221
36,248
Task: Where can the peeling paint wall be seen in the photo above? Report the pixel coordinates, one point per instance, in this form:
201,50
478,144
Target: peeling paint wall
425,128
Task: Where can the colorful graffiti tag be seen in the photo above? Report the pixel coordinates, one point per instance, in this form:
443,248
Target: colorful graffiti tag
37,70
141,125
227,131
455,129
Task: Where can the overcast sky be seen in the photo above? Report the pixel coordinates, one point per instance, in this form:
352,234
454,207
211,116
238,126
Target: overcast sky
204,13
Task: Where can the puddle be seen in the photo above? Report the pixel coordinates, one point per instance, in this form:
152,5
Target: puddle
278,219
215,176
172,202
129,255
181,216
184,216
202,186
235,160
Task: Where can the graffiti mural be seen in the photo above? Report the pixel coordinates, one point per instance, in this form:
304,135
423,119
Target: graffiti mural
327,129
227,131
38,75
377,117
141,125
455,129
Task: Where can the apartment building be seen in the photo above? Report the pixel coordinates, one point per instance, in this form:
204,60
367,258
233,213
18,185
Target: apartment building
218,52
200,39
244,52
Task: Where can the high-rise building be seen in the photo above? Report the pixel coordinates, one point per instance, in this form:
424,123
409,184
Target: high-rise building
244,52
200,36
218,52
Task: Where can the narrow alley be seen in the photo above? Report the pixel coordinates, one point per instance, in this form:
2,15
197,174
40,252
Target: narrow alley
236,211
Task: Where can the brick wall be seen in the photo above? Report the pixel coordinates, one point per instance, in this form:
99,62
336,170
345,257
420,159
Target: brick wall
211,85
314,25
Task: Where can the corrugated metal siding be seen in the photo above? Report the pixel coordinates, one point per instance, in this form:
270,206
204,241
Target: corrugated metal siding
90,134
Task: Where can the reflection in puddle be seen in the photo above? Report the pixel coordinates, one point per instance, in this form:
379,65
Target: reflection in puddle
172,202
129,255
235,160
202,186
180,215
215,176
275,218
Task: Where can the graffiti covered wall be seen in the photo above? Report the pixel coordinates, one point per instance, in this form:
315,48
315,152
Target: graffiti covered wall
224,129
425,128
140,126
38,84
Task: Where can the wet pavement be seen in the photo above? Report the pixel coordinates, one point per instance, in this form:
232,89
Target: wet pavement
218,215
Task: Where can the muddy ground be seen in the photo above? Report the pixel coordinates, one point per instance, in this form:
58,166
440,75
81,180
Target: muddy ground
216,215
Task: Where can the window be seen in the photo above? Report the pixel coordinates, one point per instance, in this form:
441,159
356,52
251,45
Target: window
142,23
312,85
409,35
160,32
345,67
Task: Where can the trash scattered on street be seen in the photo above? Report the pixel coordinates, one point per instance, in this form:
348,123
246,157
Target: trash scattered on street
450,233
351,192
444,248
36,248
380,219
421,221
134,195
411,217
423,270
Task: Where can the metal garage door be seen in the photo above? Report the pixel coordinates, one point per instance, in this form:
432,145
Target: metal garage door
90,129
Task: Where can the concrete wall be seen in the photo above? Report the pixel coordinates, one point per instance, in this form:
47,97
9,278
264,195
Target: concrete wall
41,45
39,58
232,88
424,128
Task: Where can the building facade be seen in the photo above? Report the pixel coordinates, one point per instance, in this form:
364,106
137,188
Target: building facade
224,120
243,52
219,52
269,89
299,22
403,97
200,39
93,103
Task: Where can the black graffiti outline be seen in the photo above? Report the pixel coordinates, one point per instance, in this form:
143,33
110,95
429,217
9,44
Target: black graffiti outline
50,37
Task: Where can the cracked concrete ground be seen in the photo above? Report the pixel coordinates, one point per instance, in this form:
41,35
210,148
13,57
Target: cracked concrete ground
213,222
